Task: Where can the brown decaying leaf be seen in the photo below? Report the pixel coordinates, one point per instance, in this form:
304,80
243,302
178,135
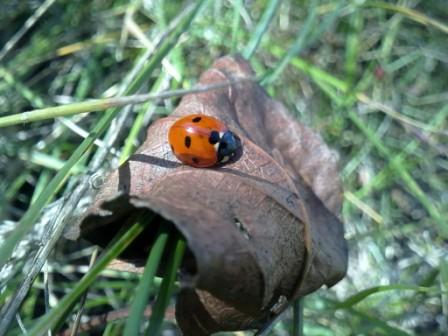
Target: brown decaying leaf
261,228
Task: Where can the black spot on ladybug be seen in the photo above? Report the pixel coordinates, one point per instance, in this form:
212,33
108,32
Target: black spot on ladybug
196,119
195,160
214,137
187,141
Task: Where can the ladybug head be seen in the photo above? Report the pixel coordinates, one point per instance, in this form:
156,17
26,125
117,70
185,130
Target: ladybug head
229,144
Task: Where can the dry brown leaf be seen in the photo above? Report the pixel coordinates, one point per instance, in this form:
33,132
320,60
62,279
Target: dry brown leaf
262,229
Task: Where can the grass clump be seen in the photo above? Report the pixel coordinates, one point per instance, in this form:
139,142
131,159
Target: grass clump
368,75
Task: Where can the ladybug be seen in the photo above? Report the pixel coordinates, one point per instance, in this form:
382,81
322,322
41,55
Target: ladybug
202,141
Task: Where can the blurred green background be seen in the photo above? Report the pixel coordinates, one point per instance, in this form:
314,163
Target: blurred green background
369,76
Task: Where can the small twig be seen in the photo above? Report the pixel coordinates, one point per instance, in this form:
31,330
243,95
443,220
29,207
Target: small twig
103,104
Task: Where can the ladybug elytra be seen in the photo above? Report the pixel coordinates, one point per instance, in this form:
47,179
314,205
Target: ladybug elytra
202,141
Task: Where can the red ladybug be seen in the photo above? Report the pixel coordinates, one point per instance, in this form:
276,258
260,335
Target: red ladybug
202,141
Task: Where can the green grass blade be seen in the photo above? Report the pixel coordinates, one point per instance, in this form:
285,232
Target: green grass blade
297,321
42,181
323,78
166,289
261,28
15,186
119,244
352,46
34,99
145,285
307,35
377,326
444,283
129,144
236,24
410,13
33,212
399,159
360,296
57,111
57,181
296,48
103,104
414,188
314,72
